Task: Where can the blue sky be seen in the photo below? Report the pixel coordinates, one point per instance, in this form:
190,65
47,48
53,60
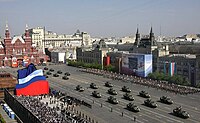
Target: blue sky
103,18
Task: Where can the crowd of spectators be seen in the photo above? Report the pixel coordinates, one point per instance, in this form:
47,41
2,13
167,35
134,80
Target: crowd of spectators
56,114
164,85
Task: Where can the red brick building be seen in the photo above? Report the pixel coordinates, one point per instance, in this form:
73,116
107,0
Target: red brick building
18,50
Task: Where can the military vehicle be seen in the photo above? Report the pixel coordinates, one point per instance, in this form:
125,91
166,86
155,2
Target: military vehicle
48,73
108,84
144,94
51,70
67,73
93,86
166,100
96,94
112,100
180,113
79,88
55,75
132,107
112,91
59,72
45,68
150,103
46,76
128,96
65,77
126,89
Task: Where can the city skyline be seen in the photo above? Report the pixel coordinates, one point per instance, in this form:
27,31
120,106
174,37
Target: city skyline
102,18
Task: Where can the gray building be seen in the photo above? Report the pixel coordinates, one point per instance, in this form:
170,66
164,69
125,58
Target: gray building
92,55
186,65
58,56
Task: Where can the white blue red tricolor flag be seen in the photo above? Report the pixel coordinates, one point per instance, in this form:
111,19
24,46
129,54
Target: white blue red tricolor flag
31,82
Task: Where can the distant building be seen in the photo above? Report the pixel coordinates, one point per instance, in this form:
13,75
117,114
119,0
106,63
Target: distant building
127,39
144,45
89,55
116,59
44,39
185,65
58,56
37,35
18,50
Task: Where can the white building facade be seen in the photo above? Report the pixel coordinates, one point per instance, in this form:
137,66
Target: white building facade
44,39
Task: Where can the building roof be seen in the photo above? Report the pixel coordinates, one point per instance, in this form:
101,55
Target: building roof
59,50
122,47
1,45
16,38
184,49
189,56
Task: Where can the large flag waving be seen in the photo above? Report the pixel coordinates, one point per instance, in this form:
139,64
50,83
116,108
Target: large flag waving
31,82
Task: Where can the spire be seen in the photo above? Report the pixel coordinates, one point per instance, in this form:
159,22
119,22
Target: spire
137,31
26,26
137,37
26,31
6,25
152,37
151,31
7,33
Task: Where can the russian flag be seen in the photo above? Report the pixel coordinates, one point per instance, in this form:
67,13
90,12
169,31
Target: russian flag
31,82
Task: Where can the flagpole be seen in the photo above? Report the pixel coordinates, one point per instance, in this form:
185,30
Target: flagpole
44,41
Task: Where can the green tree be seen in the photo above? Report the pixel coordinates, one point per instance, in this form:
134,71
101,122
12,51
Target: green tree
109,68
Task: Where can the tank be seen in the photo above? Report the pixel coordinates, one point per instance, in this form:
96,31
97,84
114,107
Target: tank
166,100
59,72
55,75
46,76
150,103
96,94
144,94
79,88
65,77
93,86
48,73
108,84
112,91
126,89
180,113
51,70
128,96
112,100
67,73
132,107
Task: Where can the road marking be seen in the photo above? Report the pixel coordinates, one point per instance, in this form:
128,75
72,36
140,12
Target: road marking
191,98
169,120
148,113
118,109
167,108
157,116
145,120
